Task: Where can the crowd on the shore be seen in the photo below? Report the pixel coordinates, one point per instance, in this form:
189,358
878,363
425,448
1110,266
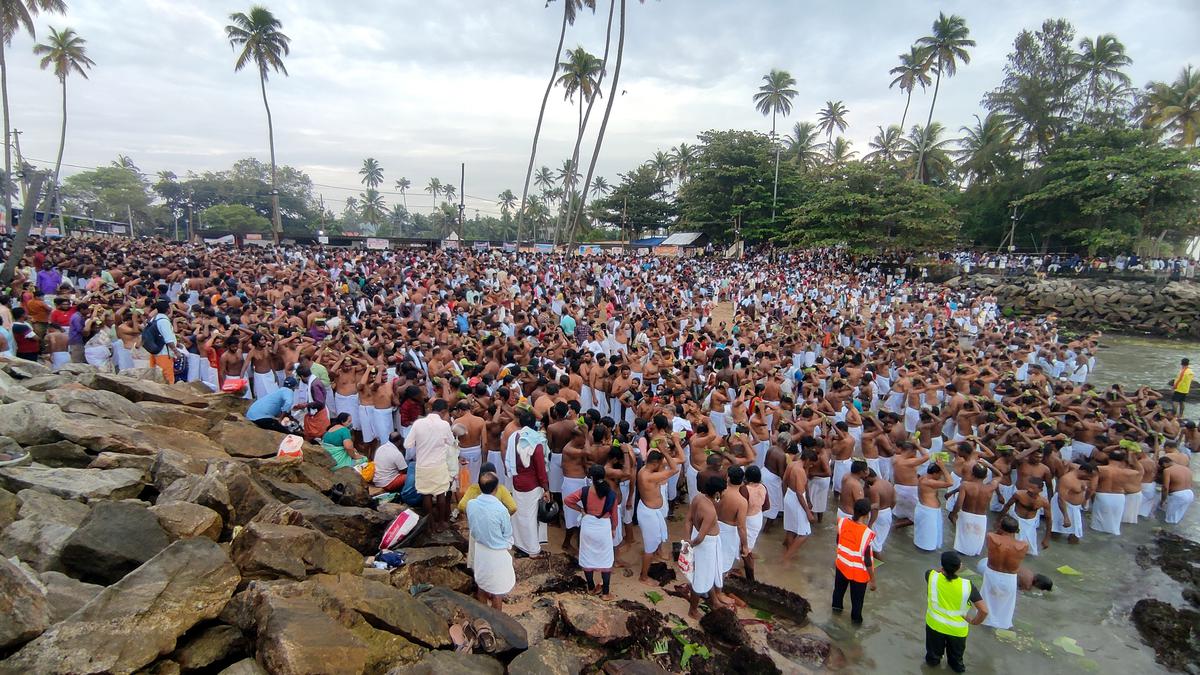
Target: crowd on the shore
603,387
1178,267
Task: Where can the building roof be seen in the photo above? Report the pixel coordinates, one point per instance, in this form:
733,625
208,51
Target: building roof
682,239
647,241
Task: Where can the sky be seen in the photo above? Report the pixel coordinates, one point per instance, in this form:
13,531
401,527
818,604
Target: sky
425,86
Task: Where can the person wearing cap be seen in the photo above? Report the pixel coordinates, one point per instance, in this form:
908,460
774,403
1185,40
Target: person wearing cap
266,411
949,598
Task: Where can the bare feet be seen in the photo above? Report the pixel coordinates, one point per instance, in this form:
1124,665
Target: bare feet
608,597
695,614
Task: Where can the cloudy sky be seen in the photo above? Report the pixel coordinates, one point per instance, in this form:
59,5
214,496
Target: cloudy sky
423,86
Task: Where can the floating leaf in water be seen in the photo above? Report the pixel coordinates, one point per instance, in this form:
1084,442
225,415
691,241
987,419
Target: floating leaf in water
1068,645
1006,635
764,615
1069,571
661,647
654,597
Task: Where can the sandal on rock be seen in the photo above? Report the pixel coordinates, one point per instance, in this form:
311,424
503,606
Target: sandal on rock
463,637
485,639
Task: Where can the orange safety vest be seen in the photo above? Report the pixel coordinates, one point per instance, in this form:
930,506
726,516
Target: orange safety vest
853,540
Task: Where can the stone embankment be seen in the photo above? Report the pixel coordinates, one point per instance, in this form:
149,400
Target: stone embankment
1168,309
153,530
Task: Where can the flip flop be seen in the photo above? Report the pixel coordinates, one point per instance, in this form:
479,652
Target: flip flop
13,458
485,639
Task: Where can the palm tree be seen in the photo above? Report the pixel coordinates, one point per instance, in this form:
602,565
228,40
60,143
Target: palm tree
832,116
1176,106
402,186
537,212
257,33
66,51
839,151
570,7
371,206
600,186
397,217
507,201
775,97
371,172
544,179
450,191
886,145
663,167
683,156
1100,60
435,189
803,146
945,47
929,152
16,16
581,74
986,149
566,174
912,71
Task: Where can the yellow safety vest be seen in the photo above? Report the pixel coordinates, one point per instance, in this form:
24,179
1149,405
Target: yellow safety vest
949,600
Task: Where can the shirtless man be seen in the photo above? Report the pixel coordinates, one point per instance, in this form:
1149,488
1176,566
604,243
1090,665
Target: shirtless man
882,495
928,514
576,458
652,509
904,468
563,426
731,515
1005,553
1176,490
1031,506
820,475
1108,503
772,478
852,489
702,443
262,362
704,534
970,510
471,440
797,512
1066,509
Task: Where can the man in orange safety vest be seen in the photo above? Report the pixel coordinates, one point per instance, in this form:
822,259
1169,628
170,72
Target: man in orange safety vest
854,569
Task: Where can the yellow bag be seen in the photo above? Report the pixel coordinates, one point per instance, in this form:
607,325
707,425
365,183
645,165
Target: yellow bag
366,470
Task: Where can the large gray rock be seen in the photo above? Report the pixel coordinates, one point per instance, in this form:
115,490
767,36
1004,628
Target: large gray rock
361,528
452,663
294,635
269,551
10,506
31,423
66,595
115,539
182,520
120,460
213,645
244,667
44,524
97,404
78,484
60,454
24,610
181,417
554,657
510,635
169,466
383,606
138,390
135,621
46,382
241,439
602,622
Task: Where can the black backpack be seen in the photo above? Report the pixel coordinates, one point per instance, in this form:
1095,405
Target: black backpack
152,338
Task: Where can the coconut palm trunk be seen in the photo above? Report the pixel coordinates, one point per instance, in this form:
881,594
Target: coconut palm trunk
775,191
276,224
929,120
8,172
612,96
52,191
537,131
22,233
907,103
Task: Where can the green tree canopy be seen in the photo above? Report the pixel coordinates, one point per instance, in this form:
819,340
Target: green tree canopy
234,218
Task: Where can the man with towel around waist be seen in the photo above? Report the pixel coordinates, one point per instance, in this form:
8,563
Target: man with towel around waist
883,500
651,516
970,510
703,527
852,488
927,533
999,570
1176,489
904,472
1066,509
491,528
1031,507
471,441
576,458
1108,504
731,518
797,512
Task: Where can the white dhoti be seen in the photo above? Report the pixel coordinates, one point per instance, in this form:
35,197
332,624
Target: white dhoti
895,402
494,571
349,404
731,546
626,514
673,485
525,523
1000,593
885,469
554,473
818,494
1074,513
366,414
1150,500
496,459
689,474
874,465
906,501
1001,496
193,366
1177,505
122,357
856,433
882,529
653,524
208,375
1107,509
927,532
264,383
59,359
595,543
586,398
795,520
382,418
718,422
841,467
761,449
912,419
754,526
1028,531
569,487
707,564
1133,506
474,457
955,481
970,531
774,485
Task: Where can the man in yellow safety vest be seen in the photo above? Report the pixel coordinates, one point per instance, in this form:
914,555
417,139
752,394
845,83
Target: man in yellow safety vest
950,597
1180,387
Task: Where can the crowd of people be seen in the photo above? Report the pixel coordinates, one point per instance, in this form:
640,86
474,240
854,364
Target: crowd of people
1178,267
611,396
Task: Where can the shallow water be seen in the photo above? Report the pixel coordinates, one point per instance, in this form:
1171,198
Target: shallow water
1093,608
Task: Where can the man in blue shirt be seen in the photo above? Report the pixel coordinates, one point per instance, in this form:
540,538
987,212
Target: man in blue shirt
266,411
491,528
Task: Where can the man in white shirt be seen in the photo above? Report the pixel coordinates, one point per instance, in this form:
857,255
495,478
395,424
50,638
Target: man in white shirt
164,359
431,441
391,469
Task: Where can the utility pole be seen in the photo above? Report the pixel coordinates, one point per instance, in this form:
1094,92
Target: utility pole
129,213
625,221
462,196
20,169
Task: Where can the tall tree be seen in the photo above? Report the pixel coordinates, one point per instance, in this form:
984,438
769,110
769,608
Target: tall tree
682,157
507,200
664,168
886,146
402,186
912,72
581,73
263,44
945,47
1040,92
985,152
570,8
929,153
16,16
1101,60
832,117
67,53
544,179
600,186
450,192
774,98
371,172
838,152
804,145
434,188
1175,107
371,206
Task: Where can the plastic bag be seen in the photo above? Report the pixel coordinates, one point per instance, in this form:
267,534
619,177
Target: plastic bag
291,446
686,562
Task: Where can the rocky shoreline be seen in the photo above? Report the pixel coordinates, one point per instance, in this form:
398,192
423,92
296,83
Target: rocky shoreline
1173,632
155,531
1168,309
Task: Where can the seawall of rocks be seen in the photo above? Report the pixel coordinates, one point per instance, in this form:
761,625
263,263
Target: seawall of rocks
1168,309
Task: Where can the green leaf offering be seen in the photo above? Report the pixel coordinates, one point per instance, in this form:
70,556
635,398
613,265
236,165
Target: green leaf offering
654,597
1069,571
764,615
1068,645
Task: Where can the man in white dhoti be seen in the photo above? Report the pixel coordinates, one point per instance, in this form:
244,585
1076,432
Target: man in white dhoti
1108,505
704,531
1177,488
491,528
928,518
999,570
651,511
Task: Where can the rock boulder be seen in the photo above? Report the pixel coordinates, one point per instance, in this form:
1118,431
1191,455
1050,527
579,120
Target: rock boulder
24,609
510,635
77,484
66,595
115,539
181,520
44,524
264,550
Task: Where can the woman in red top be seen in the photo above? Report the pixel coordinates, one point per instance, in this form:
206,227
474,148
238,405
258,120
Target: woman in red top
598,504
